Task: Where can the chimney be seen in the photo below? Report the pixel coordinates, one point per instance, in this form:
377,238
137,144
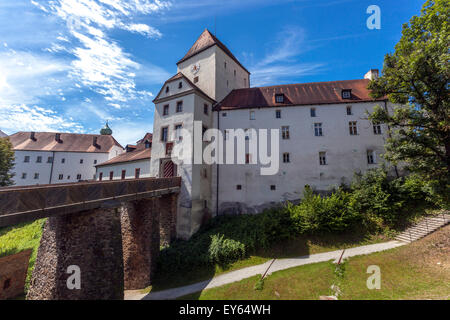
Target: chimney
33,136
372,74
58,137
94,141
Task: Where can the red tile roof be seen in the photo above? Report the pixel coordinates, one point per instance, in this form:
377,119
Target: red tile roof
69,142
138,152
206,41
135,155
314,93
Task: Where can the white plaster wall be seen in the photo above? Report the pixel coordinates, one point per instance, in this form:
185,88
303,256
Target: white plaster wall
69,169
206,74
346,154
129,167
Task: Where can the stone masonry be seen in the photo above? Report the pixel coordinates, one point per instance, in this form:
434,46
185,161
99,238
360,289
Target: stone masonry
90,240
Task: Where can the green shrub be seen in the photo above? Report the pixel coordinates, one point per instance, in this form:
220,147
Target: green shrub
223,251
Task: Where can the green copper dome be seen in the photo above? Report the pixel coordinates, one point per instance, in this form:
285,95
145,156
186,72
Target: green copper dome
106,130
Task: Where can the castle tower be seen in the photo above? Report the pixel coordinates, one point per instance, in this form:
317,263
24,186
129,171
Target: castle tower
206,74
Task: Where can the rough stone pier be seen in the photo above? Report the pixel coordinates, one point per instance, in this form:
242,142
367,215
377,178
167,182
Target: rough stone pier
111,231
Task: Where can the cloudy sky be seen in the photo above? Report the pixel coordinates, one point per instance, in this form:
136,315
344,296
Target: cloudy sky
70,65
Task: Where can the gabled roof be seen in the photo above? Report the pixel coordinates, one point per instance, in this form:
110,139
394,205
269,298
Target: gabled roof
138,152
178,76
206,41
69,142
314,93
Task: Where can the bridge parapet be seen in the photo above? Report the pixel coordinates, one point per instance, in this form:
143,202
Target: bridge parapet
20,204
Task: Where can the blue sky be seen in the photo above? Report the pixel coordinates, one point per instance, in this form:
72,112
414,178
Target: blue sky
70,65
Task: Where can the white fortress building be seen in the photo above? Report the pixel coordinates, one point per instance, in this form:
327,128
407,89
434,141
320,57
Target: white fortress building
51,157
324,134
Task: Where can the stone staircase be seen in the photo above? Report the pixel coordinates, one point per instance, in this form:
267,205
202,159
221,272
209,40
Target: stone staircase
423,228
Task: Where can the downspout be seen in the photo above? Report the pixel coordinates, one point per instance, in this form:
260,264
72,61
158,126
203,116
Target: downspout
51,168
217,169
390,136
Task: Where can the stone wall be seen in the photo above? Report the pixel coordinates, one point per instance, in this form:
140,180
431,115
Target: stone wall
13,272
90,240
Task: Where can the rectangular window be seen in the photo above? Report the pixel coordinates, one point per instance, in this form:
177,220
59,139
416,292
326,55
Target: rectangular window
179,106
349,110
26,159
137,172
278,114
376,128
39,159
235,73
63,160
346,93
95,161
195,79
224,114
111,175
247,158
318,129
273,187
279,98
178,128
24,175
371,157
353,128
252,115
285,132
124,172
60,177
205,109
286,157
312,112
169,147
49,159
180,85
36,176
79,176
322,158
81,160
164,134
166,110
225,65
100,177
238,187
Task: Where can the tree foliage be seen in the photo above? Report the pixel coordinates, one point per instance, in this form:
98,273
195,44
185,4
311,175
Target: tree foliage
415,79
6,162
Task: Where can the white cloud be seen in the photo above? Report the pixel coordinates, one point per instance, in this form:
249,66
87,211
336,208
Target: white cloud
15,118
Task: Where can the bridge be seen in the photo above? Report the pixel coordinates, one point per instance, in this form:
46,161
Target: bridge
111,231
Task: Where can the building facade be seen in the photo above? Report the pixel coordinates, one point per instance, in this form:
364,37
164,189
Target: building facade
134,163
324,134
50,158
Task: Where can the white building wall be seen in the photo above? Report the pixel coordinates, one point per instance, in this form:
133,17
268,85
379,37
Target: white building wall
69,170
129,167
345,153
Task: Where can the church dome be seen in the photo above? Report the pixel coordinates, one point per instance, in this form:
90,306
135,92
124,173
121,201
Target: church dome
106,130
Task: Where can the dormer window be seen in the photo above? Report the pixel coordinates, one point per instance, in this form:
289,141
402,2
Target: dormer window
167,89
346,93
148,144
279,98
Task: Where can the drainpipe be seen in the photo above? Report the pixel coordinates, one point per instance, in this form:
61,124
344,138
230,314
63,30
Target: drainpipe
217,182
390,136
51,168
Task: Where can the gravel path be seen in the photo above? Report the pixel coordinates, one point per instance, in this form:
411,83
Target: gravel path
277,265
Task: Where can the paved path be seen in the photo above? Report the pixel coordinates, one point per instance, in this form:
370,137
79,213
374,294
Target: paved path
277,265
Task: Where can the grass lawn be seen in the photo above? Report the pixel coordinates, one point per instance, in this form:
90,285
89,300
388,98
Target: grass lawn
300,246
420,270
21,237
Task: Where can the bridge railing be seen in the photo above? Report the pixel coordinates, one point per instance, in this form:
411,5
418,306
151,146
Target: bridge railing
18,204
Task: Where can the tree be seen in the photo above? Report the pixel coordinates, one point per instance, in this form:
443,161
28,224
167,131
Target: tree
415,79
6,162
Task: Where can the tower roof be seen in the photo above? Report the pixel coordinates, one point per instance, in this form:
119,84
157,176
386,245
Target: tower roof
206,41
106,130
